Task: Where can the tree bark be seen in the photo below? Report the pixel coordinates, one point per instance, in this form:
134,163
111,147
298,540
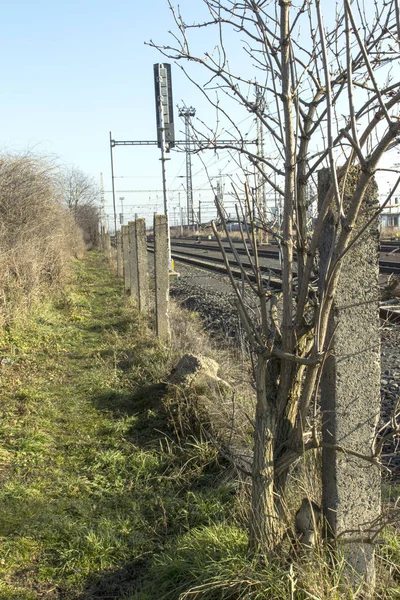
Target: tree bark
264,524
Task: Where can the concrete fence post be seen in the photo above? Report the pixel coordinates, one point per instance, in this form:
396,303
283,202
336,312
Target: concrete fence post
350,389
161,273
103,239
120,265
125,257
107,246
102,245
142,264
133,263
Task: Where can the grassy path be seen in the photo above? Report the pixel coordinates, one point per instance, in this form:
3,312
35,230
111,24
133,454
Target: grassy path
92,485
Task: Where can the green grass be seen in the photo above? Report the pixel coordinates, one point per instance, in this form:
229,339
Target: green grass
98,497
92,482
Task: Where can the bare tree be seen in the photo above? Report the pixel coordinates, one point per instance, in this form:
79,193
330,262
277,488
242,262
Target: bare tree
81,195
87,217
78,188
330,99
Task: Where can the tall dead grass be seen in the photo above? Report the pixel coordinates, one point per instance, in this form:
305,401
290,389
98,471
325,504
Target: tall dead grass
37,234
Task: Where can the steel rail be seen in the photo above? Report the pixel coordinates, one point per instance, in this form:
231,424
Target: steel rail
385,266
270,274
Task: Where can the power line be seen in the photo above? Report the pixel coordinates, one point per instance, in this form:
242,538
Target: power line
153,191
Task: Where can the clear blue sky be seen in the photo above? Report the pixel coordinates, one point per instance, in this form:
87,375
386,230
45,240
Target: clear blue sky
72,71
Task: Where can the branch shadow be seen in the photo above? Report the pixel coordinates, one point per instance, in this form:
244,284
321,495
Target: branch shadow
114,584
146,404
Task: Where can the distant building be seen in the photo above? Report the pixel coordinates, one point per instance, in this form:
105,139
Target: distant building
390,219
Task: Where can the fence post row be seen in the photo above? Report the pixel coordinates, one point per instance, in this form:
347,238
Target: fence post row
161,273
131,244
350,387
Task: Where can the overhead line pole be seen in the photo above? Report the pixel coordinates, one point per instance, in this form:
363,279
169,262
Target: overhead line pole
184,143
117,254
112,144
187,113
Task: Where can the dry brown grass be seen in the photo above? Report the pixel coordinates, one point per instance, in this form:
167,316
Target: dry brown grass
218,412
37,234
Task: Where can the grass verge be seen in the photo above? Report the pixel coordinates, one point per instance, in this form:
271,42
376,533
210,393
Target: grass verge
92,481
98,497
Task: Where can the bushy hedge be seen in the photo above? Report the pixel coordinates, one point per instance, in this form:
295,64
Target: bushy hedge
38,235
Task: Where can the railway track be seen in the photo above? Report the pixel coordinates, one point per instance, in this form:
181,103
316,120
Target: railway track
207,255
390,247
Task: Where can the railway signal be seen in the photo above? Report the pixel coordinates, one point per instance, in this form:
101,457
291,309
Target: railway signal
165,128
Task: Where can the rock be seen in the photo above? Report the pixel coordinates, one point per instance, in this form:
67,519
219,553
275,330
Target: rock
307,521
196,369
6,362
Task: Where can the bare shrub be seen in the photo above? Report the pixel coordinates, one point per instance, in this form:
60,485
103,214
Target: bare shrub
37,234
80,193
87,217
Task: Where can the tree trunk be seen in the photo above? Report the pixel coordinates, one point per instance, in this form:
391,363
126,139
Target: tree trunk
265,530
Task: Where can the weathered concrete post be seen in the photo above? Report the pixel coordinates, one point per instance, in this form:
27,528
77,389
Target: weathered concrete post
120,265
125,256
350,391
107,245
142,264
161,273
133,263
102,243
